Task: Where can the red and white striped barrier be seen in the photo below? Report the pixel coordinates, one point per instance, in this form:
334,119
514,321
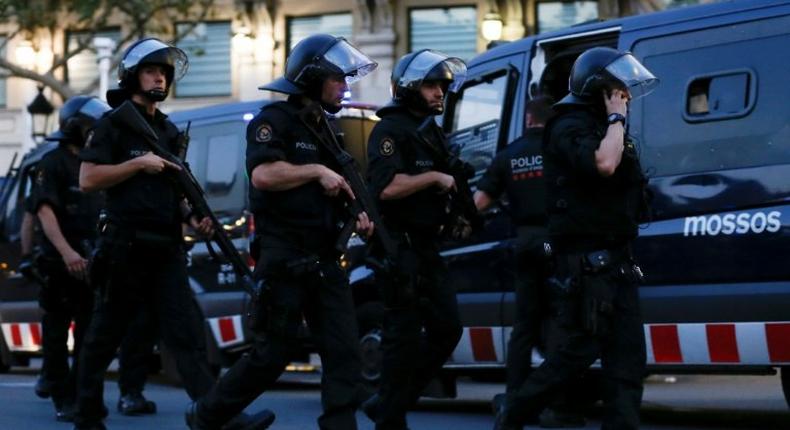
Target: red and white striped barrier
227,330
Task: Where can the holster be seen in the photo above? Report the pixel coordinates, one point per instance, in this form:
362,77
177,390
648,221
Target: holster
586,286
267,315
399,284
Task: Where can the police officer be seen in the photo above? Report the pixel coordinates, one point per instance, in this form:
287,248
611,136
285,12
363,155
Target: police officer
68,221
517,172
297,198
406,175
140,265
595,200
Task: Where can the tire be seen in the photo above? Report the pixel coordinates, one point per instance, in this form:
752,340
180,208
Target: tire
786,384
370,318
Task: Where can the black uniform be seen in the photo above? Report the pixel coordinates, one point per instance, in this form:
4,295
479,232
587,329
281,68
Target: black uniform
417,294
592,220
63,297
140,267
517,171
296,230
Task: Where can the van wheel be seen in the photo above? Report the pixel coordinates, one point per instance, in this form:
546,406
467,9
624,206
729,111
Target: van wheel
786,384
369,318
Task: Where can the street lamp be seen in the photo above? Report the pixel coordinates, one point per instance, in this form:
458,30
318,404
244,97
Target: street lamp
40,109
492,26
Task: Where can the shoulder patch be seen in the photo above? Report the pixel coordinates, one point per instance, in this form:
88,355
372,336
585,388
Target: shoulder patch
263,133
387,147
89,139
39,177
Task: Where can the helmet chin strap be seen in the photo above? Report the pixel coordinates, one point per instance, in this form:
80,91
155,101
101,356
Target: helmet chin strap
331,108
155,95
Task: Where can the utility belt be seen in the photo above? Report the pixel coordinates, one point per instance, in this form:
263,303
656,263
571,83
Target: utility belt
114,231
586,286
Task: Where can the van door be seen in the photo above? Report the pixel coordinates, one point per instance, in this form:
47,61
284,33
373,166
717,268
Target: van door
714,138
479,121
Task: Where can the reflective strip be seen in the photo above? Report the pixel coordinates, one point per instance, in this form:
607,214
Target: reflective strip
722,343
666,344
16,335
778,339
480,345
35,333
22,337
753,343
227,330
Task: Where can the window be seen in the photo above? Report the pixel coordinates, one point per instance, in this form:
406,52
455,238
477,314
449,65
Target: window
338,24
477,121
3,73
554,15
720,96
452,30
82,69
223,151
216,158
208,48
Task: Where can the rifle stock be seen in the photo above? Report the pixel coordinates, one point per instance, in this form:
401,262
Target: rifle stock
129,116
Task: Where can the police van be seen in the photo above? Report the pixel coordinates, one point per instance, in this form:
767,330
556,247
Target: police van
714,139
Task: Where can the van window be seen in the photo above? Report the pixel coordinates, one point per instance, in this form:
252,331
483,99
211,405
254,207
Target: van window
216,157
477,120
223,165
721,96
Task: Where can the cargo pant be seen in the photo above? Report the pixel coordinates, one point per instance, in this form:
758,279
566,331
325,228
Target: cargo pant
297,284
603,320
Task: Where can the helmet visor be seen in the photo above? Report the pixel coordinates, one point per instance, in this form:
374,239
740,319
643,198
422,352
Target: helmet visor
352,63
628,70
94,108
169,55
424,62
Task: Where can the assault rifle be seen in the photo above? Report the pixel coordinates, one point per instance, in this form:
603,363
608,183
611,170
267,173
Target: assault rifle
128,115
313,115
462,203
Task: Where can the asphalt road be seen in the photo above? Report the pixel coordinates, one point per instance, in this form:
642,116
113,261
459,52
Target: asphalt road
682,403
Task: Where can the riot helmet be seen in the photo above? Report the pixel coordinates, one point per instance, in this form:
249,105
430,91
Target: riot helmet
602,68
316,58
77,116
427,65
144,52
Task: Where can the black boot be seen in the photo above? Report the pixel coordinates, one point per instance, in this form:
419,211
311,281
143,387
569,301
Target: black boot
135,404
193,419
556,419
259,421
43,387
64,412
499,405
97,426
